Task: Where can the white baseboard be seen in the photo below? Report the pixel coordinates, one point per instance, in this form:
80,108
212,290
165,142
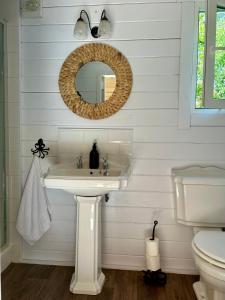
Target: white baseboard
6,255
166,270
10,253
47,262
169,265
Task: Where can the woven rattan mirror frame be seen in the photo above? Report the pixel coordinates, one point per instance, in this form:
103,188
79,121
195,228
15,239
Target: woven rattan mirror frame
95,52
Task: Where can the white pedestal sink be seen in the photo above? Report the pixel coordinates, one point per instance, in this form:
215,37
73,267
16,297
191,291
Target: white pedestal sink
88,187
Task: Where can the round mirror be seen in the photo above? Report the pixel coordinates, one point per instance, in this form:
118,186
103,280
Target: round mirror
95,82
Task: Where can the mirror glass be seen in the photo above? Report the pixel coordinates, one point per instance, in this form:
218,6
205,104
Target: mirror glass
95,82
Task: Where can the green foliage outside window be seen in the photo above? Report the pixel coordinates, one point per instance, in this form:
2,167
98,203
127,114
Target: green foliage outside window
219,76
201,56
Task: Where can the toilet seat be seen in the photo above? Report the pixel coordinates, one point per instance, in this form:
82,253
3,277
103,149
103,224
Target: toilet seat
210,246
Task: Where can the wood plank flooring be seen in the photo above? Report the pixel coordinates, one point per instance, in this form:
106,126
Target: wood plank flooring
39,282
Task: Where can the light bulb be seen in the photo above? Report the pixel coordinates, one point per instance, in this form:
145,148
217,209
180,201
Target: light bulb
104,29
80,30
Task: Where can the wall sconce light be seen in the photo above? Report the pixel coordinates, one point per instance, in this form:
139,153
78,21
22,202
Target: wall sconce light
81,27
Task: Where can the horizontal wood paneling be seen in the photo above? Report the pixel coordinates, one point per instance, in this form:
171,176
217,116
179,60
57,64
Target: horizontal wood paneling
208,118
141,83
180,151
175,135
58,3
140,66
121,31
138,263
147,32
146,167
164,167
144,48
138,100
136,231
138,215
126,262
119,247
159,151
141,199
141,134
120,199
137,247
33,132
118,13
150,183
124,118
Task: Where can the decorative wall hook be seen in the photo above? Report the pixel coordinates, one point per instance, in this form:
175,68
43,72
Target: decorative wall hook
40,149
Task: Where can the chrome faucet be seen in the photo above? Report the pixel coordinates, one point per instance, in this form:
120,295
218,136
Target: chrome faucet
79,162
105,166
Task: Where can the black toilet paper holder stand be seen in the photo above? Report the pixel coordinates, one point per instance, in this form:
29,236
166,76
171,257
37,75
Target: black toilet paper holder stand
155,277
153,230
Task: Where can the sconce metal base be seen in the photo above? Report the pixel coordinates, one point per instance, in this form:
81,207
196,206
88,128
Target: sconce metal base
94,32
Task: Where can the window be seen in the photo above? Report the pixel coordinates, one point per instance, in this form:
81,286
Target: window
210,85
109,85
202,64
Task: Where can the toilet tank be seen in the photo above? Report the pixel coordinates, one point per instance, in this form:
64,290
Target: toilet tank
200,196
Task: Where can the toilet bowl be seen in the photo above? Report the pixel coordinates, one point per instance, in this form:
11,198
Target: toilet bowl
209,255
200,203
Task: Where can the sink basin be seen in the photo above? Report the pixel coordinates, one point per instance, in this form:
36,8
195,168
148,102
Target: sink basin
86,182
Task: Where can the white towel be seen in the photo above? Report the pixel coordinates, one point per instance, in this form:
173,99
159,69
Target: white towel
34,213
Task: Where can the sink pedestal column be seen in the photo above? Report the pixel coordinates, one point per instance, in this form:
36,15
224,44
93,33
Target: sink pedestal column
88,277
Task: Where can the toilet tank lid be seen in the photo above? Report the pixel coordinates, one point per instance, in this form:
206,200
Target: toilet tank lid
209,175
211,243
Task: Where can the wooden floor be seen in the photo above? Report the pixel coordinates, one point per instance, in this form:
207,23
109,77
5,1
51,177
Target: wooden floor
31,282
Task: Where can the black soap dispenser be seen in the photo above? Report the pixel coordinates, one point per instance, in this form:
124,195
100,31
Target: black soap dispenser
94,157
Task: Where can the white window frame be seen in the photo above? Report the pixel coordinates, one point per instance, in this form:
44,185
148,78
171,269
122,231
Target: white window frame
210,57
188,115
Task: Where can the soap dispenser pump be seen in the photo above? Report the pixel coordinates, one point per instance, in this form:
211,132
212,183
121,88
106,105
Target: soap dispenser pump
94,157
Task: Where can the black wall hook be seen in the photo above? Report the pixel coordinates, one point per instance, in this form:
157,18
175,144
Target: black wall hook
40,149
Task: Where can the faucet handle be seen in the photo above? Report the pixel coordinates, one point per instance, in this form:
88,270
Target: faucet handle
105,162
105,166
78,157
105,157
79,161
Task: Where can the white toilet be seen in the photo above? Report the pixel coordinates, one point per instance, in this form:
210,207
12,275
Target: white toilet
200,203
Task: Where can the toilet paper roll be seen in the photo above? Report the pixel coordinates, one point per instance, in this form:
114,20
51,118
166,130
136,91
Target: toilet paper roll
153,262
152,247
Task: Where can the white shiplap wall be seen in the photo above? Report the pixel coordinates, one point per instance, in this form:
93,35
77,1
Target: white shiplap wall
148,34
